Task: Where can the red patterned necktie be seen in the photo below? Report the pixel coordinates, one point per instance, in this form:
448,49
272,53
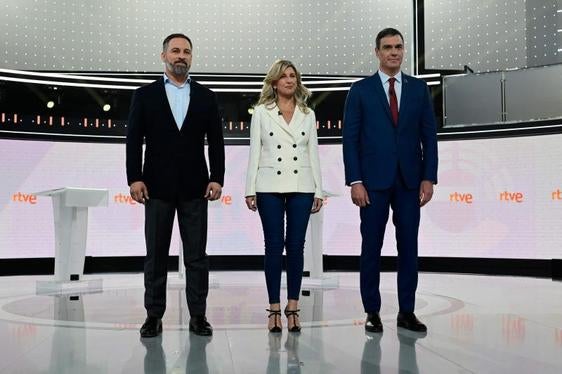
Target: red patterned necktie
393,101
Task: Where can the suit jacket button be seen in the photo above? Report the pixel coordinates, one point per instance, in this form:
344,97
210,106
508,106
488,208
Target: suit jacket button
271,134
295,171
278,147
294,146
302,133
278,172
295,158
279,159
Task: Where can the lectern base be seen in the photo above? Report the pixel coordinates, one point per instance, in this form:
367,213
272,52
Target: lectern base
64,287
324,281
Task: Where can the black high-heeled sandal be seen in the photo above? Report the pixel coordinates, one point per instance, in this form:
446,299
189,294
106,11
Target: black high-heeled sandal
294,314
274,313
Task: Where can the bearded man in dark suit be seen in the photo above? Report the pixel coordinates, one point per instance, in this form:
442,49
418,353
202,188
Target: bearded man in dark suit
173,116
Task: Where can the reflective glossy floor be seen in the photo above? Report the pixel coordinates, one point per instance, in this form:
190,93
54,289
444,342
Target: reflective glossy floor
476,324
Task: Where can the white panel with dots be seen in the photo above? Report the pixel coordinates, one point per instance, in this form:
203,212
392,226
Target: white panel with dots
246,36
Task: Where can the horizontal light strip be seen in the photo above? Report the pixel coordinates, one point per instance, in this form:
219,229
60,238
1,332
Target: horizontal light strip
222,83
436,75
120,136
496,130
159,74
68,76
116,87
108,86
66,135
235,90
55,83
129,80
327,89
80,76
247,138
260,76
141,81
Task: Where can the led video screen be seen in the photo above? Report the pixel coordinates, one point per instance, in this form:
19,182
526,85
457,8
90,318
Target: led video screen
496,198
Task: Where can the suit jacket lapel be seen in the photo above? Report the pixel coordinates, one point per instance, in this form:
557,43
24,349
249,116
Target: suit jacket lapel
404,99
296,122
279,121
382,95
165,104
193,97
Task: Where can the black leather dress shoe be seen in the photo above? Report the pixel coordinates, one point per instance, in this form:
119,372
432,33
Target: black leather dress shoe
199,326
373,323
410,322
152,327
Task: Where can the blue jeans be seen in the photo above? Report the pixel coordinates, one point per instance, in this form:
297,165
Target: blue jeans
272,208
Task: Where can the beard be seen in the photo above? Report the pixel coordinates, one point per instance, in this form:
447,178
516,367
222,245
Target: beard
178,68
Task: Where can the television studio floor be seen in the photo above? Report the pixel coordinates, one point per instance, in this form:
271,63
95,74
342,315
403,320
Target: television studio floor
476,324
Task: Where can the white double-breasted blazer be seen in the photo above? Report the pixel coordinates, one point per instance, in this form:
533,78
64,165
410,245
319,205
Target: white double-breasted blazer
283,157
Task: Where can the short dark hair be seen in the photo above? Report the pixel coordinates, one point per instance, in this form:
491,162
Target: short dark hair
389,31
173,36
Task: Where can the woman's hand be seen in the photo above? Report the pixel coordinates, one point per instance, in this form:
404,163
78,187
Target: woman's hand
251,203
316,205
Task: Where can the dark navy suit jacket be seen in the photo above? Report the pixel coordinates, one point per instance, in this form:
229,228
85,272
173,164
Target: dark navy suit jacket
374,150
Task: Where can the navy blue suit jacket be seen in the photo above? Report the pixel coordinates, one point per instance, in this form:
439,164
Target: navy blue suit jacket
174,160
374,150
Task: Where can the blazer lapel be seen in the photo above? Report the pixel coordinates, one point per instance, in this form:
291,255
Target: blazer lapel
165,104
279,121
382,95
296,122
193,97
404,100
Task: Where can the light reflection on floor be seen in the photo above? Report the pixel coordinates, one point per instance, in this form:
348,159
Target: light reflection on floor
477,324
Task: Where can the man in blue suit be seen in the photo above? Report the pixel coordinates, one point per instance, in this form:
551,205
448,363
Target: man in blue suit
390,158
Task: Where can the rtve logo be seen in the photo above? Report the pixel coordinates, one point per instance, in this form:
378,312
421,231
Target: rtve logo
459,197
123,199
20,197
126,199
514,197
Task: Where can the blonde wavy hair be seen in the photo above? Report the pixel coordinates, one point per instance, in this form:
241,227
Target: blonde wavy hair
268,95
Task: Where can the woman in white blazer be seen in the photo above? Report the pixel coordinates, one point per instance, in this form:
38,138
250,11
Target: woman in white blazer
283,180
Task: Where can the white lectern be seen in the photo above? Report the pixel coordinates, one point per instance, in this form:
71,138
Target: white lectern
313,254
70,208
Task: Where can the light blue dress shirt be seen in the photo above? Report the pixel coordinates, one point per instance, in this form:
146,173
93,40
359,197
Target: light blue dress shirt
178,97
397,85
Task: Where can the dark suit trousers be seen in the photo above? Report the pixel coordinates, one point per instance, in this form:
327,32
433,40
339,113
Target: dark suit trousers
406,219
159,220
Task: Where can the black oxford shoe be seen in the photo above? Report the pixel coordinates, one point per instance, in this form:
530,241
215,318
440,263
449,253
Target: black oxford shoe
199,326
410,322
373,323
152,327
